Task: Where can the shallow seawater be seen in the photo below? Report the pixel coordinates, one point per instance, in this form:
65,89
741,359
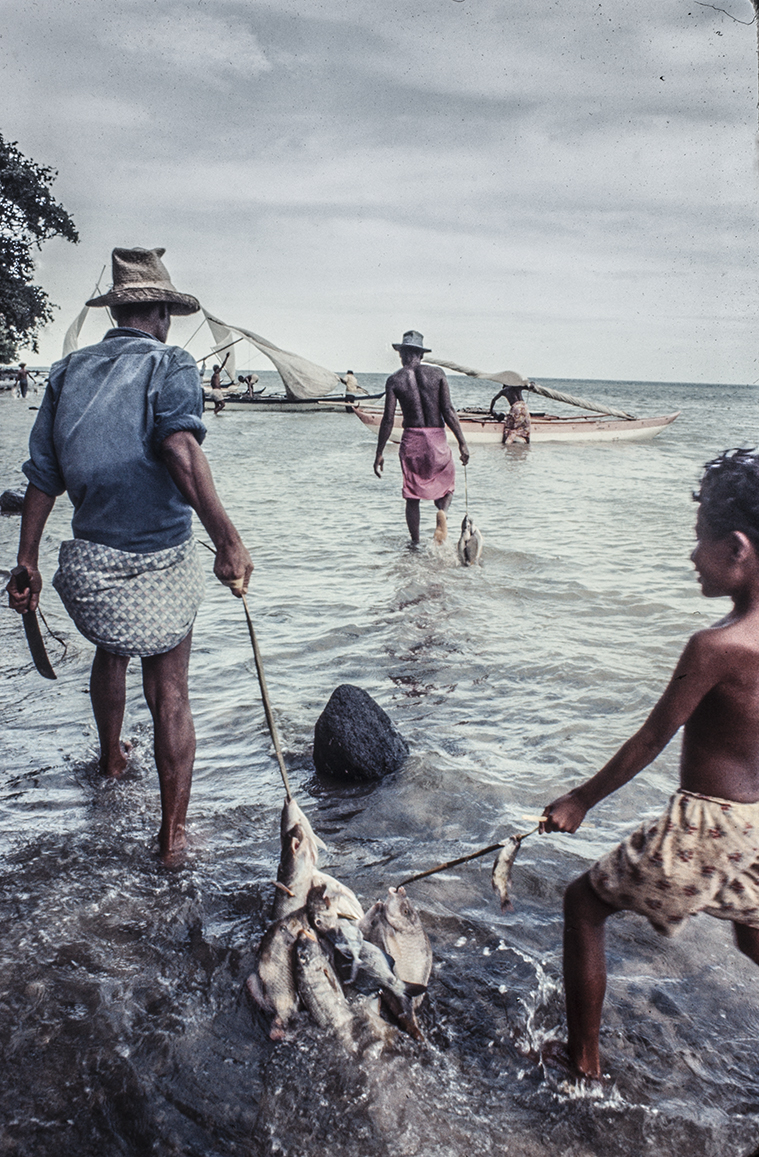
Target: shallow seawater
123,1019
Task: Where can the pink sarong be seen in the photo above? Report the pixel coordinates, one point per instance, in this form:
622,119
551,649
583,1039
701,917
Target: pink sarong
426,462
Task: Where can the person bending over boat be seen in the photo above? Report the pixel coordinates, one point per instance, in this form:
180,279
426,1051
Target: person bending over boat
426,459
516,424
120,429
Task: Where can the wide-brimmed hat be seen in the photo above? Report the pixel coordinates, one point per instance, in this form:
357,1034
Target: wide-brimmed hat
412,340
139,278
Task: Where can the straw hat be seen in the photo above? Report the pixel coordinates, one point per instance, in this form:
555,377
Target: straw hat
412,340
139,278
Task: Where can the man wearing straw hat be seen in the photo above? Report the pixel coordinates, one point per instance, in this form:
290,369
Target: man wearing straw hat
120,429
426,459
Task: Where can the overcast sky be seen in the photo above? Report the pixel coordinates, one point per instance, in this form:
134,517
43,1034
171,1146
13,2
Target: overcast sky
568,190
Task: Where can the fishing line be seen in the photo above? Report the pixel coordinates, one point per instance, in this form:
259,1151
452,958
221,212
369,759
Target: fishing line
466,490
261,681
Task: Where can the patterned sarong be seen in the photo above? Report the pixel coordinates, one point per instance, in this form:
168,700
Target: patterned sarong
426,462
518,420
130,604
701,855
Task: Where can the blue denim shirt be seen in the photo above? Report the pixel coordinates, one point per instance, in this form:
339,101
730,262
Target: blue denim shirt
106,410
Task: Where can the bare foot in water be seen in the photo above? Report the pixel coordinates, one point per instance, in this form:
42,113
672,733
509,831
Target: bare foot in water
172,850
113,765
441,528
555,1055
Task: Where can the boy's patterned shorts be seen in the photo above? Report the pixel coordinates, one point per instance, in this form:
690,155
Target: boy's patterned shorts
702,855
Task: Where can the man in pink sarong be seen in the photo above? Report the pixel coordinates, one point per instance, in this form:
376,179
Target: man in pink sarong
426,459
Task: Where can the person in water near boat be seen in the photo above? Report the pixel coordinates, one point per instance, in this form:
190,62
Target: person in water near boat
120,429
517,422
701,855
216,394
426,460
22,379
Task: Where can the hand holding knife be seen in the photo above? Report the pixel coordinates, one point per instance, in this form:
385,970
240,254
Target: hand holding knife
19,584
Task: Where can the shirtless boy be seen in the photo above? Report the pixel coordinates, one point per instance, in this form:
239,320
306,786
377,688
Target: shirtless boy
426,459
702,855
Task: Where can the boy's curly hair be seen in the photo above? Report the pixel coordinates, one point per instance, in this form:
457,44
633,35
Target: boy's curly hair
729,494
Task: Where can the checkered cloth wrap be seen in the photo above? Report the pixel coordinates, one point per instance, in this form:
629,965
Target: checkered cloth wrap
701,855
130,604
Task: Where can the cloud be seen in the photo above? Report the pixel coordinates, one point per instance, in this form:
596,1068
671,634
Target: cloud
192,40
493,160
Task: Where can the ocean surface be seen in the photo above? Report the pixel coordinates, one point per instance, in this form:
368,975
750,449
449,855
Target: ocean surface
124,1022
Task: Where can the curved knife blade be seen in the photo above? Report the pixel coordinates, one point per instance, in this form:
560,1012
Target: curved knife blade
32,629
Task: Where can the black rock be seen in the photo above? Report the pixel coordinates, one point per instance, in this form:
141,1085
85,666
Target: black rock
355,739
11,501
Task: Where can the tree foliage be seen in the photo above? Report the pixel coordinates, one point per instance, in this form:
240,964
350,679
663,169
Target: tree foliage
28,216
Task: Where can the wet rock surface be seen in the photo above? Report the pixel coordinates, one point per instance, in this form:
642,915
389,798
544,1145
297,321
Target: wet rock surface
11,501
355,739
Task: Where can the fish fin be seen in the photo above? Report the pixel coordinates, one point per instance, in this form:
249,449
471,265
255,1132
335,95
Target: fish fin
253,985
283,888
415,989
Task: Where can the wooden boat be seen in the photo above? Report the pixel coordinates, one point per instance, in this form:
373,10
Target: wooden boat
281,404
479,427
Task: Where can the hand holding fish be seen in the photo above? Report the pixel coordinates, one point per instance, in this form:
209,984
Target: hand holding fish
565,814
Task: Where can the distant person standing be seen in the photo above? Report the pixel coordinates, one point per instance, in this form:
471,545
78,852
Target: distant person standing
22,379
517,422
217,394
426,460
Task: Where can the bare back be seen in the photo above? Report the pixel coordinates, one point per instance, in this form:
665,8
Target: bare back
720,750
424,397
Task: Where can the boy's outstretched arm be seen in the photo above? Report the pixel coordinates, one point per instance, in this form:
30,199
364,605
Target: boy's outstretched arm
700,668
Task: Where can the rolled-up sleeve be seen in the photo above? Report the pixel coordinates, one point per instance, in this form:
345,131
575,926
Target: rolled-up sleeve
42,467
179,402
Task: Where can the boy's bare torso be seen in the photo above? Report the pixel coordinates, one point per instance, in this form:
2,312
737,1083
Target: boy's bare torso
720,748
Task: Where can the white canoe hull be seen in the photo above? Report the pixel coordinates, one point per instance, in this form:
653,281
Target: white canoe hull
281,405
546,428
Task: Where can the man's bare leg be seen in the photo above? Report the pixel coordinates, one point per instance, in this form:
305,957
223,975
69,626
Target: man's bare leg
585,917
413,518
164,680
441,527
108,697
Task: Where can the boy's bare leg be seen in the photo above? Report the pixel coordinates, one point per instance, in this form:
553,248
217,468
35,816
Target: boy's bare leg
747,940
108,697
585,917
444,502
413,518
164,680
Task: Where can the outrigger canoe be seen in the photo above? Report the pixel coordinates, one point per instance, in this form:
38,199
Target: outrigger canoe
480,426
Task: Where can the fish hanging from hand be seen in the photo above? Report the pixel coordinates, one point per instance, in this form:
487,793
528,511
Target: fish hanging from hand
469,547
